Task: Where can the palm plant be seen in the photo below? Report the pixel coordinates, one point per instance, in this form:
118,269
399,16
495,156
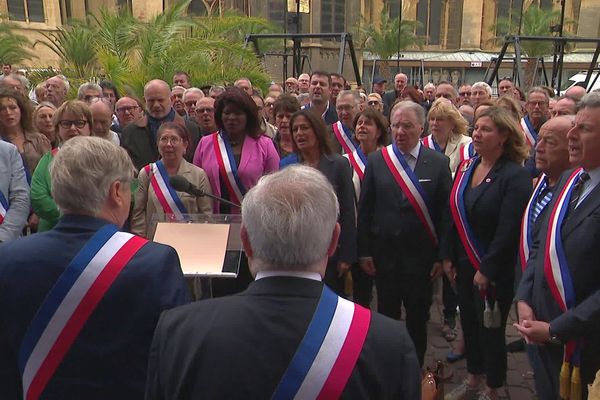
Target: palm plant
14,48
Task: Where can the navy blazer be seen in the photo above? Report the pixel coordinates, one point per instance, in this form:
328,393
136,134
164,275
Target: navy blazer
109,357
495,218
238,347
384,210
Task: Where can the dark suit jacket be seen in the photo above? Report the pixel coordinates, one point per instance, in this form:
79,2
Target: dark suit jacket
384,210
109,357
580,240
339,173
388,100
141,144
239,347
495,218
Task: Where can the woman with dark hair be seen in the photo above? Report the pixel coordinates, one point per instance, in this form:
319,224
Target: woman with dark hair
411,94
155,196
16,128
312,147
283,108
487,201
238,154
234,158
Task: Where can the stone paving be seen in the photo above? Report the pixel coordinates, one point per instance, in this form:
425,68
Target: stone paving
519,386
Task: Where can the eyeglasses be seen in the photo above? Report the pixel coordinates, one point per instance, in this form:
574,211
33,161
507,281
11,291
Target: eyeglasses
67,124
373,102
190,103
90,97
464,94
127,109
205,110
169,139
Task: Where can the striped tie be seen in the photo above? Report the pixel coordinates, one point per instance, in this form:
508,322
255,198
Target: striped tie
578,190
541,202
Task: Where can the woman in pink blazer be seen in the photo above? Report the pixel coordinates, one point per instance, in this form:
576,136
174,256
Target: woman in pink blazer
238,154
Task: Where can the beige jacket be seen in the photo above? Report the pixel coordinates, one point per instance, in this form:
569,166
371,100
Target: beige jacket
453,150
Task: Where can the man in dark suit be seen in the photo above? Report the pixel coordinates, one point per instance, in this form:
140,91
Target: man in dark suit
542,320
400,82
396,245
248,346
139,137
101,354
319,93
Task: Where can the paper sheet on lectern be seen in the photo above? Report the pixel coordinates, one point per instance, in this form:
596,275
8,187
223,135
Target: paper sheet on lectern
201,247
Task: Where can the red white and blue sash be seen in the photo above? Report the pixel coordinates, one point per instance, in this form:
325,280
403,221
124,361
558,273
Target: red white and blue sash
529,131
411,187
358,160
344,137
3,207
228,167
429,141
556,267
70,303
467,151
459,214
328,352
166,195
525,240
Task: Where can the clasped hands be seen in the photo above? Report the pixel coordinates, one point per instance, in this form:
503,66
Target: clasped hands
533,331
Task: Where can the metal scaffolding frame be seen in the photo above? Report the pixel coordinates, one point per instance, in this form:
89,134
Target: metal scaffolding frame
298,57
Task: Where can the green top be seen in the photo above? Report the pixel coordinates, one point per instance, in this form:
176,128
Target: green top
41,196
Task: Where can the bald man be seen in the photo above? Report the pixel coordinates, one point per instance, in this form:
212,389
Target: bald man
576,93
139,137
102,116
400,82
564,106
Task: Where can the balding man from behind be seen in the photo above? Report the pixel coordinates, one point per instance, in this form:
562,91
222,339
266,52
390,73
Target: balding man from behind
139,137
283,336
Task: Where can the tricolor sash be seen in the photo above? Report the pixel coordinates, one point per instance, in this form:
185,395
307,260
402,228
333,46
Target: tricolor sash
358,160
559,279
429,141
470,243
328,352
411,187
228,167
3,207
71,301
467,151
344,137
166,195
525,240
529,131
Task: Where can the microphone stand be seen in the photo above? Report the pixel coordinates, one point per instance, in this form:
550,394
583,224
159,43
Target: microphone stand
202,193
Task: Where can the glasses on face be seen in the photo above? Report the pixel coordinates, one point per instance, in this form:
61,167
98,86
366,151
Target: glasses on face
190,103
169,139
205,110
373,102
464,94
67,124
127,109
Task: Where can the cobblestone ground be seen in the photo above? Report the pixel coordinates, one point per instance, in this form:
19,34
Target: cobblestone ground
519,385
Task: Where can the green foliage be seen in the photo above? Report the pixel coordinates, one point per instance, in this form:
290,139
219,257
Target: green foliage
130,52
535,22
382,40
14,48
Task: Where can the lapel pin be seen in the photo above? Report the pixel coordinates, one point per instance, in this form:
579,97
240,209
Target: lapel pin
488,180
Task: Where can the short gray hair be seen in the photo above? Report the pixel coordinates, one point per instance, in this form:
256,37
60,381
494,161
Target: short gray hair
193,90
590,100
290,217
83,170
538,89
483,85
352,93
86,86
410,105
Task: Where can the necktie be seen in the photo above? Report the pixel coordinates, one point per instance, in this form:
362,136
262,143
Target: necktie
541,202
578,190
409,160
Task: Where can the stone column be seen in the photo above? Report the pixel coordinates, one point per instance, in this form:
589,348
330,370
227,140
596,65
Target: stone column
471,25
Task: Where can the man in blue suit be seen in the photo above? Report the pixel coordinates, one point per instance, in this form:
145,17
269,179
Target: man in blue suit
80,302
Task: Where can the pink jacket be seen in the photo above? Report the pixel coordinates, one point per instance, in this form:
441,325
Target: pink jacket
259,158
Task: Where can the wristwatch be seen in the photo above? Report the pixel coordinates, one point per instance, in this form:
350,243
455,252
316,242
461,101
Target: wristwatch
554,339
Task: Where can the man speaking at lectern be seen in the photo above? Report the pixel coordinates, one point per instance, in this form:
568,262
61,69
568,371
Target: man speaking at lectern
80,302
287,335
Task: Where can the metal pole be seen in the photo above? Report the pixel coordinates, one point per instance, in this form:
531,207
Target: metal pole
399,34
521,16
562,44
298,16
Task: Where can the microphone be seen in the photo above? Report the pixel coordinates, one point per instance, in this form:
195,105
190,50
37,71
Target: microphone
180,184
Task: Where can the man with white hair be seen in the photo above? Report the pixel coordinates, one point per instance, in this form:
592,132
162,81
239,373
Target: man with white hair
88,92
190,97
480,92
346,107
56,90
400,82
80,302
245,85
303,83
287,331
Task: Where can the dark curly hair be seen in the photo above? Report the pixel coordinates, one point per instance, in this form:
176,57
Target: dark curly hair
238,98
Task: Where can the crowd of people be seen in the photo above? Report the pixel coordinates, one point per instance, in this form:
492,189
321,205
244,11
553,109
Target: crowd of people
496,196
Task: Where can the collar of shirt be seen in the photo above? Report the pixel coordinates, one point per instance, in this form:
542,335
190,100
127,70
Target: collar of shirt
591,184
294,274
414,151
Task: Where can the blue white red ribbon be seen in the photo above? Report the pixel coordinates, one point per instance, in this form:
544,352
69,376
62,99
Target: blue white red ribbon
358,160
467,151
228,167
167,196
525,239
411,187
529,131
328,352
3,207
470,243
344,137
70,303
429,141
